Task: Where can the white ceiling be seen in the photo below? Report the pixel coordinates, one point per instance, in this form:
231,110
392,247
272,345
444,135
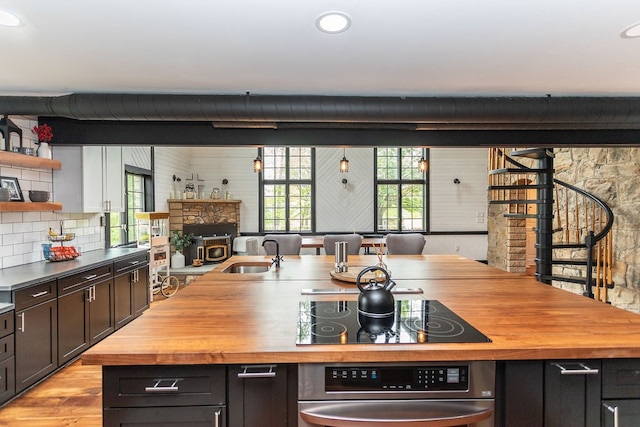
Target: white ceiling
393,48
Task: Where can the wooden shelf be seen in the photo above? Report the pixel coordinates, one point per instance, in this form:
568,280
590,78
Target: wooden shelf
22,160
29,206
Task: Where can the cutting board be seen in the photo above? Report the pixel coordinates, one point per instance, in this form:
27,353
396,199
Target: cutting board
351,275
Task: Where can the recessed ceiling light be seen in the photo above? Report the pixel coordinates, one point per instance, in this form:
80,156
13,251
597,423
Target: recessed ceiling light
9,20
333,22
631,32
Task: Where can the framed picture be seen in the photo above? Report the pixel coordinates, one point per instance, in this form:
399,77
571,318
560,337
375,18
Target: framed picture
13,186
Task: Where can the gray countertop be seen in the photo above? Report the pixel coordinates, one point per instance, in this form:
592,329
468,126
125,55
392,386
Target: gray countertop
14,278
5,306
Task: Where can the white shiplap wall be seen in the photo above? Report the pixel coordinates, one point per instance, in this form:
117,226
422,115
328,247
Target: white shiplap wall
463,206
344,209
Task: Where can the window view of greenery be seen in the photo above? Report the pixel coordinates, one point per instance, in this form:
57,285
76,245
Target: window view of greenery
122,226
287,181
401,189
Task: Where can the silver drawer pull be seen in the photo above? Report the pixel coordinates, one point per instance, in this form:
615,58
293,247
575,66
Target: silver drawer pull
133,262
39,294
614,411
267,373
158,388
217,418
584,370
91,276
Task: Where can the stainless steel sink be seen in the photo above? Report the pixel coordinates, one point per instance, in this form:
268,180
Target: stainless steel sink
247,267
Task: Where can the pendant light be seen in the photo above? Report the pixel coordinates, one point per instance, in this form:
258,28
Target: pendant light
257,165
344,163
423,165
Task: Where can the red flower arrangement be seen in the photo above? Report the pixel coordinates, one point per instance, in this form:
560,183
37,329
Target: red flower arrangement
44,133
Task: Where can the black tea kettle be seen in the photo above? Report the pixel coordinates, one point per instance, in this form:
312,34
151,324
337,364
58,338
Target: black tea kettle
375,299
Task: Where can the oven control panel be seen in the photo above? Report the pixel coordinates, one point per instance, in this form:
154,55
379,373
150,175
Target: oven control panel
397,378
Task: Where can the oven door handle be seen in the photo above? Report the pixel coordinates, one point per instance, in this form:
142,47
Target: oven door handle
397,413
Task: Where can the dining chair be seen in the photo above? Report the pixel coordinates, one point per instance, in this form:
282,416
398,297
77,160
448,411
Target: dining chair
289,244
405,244
354,242
253,247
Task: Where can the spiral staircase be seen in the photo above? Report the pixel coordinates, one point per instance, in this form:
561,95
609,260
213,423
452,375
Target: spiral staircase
573,228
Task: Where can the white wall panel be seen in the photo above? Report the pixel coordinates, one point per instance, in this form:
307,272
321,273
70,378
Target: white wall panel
213,164
139,157
169,161
344,209
463,206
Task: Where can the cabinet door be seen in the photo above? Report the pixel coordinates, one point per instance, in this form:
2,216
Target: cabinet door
123,299
621,413
193,416
101,318
36,343
113,178
141,290
257,396
572,393
91,179
7,380
73,324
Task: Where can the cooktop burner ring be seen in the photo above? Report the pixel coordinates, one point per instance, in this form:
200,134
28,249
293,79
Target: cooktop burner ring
436,326
328,329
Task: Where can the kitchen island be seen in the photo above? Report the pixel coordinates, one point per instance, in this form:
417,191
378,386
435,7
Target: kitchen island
235,319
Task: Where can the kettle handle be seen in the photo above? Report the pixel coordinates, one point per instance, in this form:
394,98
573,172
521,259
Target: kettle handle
368,269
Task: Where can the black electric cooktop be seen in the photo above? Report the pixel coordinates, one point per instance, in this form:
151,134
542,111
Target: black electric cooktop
414,321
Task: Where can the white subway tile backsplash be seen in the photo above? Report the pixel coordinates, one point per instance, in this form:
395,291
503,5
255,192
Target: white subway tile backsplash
10,217
12,239
22,227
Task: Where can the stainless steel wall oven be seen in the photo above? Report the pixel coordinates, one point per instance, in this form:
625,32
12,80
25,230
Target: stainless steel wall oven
397,394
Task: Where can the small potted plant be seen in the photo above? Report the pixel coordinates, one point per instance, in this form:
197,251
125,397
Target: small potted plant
45,135
180,242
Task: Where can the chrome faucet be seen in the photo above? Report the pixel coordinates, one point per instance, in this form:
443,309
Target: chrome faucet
278,258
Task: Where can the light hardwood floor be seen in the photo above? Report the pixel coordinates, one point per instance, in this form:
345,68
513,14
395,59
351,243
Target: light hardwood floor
70,397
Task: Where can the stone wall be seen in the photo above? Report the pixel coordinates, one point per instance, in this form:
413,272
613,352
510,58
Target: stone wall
203,211
611,174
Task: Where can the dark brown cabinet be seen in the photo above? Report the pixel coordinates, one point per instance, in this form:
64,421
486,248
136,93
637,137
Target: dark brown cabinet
259,395
620,393
36,335
572,393
7,359
131,289
164,395
85,306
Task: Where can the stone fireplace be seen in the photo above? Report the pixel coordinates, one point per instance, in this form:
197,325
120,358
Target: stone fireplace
205,218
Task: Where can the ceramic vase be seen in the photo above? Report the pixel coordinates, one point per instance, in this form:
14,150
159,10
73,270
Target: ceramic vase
177,260
44,150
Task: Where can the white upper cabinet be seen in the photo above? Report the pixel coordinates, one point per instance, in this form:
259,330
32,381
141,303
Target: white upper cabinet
91,180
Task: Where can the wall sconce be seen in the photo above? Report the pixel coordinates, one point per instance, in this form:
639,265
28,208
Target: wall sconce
344,182
344,163
423,165
257,165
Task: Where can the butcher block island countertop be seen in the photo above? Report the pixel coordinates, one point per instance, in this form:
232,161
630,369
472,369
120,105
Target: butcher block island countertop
224,318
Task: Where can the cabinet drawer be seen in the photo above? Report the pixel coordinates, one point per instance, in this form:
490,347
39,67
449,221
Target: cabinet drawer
7,348
621,378
6,323
79,280
184,385
193,416
131,263
33,295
